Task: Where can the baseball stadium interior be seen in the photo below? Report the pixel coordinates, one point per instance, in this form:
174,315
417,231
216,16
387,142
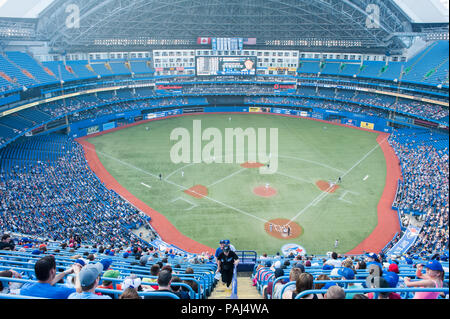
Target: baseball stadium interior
86,86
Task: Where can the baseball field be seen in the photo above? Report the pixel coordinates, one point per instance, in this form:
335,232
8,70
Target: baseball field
301,202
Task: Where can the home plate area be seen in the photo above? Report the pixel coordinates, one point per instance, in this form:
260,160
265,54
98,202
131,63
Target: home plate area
283,228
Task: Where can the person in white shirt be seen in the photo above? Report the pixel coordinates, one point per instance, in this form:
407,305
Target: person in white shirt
334,261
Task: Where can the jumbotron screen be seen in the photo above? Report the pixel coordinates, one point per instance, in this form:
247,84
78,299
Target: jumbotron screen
226,65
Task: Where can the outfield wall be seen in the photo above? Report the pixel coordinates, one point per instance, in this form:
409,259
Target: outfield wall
113,121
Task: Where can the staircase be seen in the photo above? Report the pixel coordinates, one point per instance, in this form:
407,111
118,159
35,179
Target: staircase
246,290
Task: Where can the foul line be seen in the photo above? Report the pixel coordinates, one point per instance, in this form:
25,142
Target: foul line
179,186
226,177
316,200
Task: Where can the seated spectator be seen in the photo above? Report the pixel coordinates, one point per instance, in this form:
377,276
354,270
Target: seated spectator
88,279
335,292
7,243
12,288
434,278
130,293
108,284
380,282
360,296
132,281
177,289
269,290
321,277
46,287
294,274
361,265
164,281
304,282
373,259
334,261
349,274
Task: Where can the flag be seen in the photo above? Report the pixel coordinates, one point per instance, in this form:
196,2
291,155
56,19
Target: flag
250,41
203,40
234,294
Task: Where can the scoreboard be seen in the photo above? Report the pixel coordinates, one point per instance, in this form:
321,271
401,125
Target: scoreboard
225,65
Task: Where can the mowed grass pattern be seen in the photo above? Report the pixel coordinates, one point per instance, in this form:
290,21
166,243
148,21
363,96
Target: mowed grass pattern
308,151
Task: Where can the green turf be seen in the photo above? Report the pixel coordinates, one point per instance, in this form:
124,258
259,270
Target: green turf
308,151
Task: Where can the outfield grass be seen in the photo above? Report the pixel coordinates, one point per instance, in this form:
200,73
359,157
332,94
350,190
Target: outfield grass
308,151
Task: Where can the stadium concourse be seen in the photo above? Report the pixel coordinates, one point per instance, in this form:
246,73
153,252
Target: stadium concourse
66,235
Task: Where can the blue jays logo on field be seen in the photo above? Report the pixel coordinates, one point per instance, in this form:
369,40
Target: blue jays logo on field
294,249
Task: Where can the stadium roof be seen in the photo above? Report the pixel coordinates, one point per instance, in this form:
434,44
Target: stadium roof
429,11
143,24
23,8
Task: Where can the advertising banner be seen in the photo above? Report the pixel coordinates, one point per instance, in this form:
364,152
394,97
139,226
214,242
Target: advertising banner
254,109
350,122
406,241
295,249
92,130
367,125
108,126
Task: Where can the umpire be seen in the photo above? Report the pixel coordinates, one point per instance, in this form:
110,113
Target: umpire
226,262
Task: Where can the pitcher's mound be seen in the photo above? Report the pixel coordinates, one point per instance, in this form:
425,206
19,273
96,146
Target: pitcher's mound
327,187
197,191
264,191
280,228
252,165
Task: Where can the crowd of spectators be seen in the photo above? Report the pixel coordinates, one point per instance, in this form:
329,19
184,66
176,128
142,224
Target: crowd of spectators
70,269
424,189
57,199
319,104
287,277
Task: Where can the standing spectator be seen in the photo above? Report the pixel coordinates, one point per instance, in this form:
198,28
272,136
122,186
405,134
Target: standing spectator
228,243
219,249
225,265
88,279
45,271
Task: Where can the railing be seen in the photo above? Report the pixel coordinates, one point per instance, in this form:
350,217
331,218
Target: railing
404,291
377,291
116,293
247,257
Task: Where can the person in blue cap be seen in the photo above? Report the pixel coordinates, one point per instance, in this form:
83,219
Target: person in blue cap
226,262
372,259
219,250
228,243
348,274
433,278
